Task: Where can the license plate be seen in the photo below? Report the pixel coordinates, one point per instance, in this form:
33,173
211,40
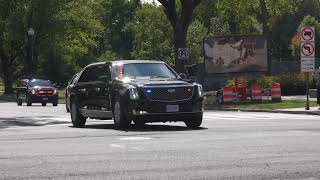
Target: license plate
45,99
172,108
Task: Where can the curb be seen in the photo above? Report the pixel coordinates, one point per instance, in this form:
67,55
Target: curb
266,110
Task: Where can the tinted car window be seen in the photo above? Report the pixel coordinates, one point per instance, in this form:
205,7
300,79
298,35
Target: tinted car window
96,73
152,70
33,83
100,73
84,75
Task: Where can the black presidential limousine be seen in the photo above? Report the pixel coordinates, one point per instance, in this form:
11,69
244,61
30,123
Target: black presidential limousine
135,90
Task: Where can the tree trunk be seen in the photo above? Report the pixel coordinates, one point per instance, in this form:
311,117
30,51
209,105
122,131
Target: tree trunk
264,18
179,37
7,76
180,24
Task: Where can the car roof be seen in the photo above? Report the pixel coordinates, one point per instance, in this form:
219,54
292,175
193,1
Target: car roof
135,61
119,62
34,77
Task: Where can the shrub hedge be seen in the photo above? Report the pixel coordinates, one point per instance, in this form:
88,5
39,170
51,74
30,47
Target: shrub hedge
291,84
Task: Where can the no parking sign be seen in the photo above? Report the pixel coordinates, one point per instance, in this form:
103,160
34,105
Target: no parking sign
307,37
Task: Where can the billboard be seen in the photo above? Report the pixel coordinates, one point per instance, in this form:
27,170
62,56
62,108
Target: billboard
235,54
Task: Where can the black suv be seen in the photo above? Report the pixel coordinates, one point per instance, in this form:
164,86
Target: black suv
135,90
32,90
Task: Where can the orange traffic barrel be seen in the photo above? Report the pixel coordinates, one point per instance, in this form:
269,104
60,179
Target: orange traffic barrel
228,95
276,92
256,93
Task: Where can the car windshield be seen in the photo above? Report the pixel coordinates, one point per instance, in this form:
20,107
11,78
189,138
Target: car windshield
37,82
147,70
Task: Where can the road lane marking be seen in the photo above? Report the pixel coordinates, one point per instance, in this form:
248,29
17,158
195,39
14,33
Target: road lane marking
117,146
135,138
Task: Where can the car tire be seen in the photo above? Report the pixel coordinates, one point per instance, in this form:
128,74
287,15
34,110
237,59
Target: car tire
138,122
29,102
120,117
19,102
77,119
67,108
55,103
43,104
195,122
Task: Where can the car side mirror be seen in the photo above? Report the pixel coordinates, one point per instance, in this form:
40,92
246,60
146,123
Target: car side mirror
183,76
191,70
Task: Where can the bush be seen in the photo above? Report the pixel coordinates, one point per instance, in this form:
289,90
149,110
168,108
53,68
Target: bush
294,84
291,84
264,81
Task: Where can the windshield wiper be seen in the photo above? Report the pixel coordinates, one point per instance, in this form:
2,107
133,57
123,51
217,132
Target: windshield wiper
160,77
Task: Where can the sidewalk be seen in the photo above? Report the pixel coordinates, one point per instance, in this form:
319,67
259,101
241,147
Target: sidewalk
312,111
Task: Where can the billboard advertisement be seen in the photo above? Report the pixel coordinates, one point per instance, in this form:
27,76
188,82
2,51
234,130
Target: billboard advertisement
235,54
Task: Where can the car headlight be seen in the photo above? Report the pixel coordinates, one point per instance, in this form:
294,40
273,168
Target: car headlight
134,95
200,90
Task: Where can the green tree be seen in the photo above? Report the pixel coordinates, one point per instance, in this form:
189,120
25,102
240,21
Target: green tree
238,22
64,30
205,11
117,14
308,21
73,31
12,39
196,32
180,22
152,35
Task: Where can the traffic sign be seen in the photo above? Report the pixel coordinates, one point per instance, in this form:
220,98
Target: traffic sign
307,50
183,53
307,64
307,34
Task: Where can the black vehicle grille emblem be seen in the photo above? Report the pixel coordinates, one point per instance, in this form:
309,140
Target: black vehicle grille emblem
171,90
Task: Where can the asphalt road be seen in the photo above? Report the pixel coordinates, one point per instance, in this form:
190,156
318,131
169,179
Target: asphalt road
39,143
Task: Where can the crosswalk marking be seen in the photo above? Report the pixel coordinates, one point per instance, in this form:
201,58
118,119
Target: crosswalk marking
229,115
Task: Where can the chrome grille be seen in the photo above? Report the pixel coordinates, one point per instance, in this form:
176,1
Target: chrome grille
169,93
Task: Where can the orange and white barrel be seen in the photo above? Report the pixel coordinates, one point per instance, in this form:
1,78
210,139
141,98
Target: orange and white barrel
256,93
228,95
276,92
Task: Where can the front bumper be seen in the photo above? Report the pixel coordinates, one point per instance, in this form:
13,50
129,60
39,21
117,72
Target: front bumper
45,98
151,111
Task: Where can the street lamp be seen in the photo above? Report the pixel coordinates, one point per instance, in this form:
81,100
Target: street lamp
30,55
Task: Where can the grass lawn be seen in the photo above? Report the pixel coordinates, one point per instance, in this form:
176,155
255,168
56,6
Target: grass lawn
61,94
264,105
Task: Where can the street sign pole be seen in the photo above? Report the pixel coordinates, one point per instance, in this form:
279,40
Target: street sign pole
183,57
307,90
307,53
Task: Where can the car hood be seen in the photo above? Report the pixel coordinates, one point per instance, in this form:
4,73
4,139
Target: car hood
43,87
158,82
